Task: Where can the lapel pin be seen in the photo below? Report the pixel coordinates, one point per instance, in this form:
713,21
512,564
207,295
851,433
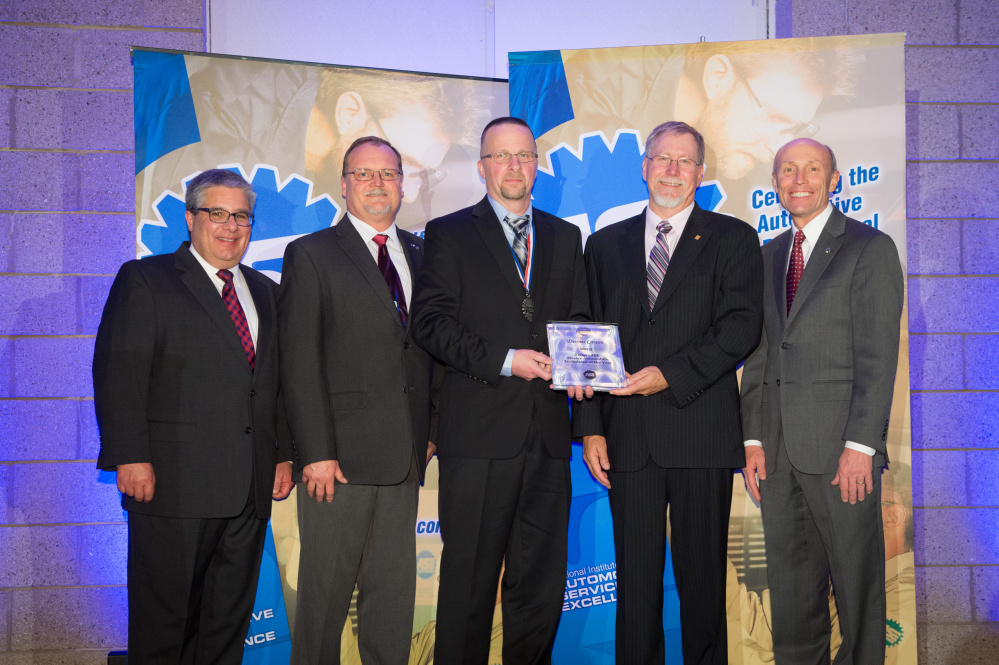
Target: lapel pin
828,250
697,237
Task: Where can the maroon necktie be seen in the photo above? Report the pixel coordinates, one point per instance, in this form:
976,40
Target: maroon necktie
238,317
391,277
795,268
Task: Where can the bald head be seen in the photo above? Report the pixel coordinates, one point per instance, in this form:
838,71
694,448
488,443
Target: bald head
831,165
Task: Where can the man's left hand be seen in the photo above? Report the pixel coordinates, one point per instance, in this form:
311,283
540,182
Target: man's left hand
646,381
854,475
282,481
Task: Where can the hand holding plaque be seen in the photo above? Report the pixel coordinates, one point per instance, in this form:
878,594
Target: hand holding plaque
585,354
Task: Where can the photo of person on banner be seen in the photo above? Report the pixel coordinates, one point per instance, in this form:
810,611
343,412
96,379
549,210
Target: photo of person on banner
433,121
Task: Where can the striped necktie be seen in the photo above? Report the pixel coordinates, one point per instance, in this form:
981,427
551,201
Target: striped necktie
519,226
658,263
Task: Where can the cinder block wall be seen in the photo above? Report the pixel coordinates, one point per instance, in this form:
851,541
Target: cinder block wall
952,118
67,222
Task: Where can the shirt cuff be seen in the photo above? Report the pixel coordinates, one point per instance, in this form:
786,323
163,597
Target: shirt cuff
752,442
507,364
860,448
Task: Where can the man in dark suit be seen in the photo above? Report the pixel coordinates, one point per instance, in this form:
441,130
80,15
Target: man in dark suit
683,285
358,395
494,275
816,396
186,392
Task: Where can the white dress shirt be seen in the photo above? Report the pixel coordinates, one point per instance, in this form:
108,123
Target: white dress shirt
812,231
242,291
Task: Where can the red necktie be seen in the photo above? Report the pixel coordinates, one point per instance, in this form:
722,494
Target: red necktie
391,277
795,268
238,317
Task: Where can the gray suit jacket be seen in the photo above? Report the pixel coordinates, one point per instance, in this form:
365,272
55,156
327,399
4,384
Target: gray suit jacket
356,387
825,371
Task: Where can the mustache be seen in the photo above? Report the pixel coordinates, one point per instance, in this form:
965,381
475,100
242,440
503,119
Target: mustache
377,192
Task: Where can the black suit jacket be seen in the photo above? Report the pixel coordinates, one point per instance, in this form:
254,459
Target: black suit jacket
358,389
706,320
467,313
172,387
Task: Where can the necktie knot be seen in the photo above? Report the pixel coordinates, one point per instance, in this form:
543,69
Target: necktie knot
225,276
518,223
799,237
664,227
380,240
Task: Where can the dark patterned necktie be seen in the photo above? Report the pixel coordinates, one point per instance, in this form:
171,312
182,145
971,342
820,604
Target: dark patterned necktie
658,262
795,268
391,276
238,317
519,226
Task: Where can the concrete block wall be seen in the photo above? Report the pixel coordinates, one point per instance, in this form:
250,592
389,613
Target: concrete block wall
67,220
952,112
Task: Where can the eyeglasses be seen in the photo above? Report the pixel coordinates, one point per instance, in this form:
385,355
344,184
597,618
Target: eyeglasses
364,175
523,157
221,216
787,126
682,163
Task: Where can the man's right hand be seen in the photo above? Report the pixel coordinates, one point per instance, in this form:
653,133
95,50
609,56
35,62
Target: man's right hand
319,478
137,480
528,364
595,456
756,465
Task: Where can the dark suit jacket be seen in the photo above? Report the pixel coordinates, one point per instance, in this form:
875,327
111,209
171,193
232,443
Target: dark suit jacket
172,387
467,313
706,320
357,388
826,370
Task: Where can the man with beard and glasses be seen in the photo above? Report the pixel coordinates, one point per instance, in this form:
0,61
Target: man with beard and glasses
494,275
359,407
684,287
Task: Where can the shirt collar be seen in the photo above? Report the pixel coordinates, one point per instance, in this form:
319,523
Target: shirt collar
502,212
212,271
677,221
368,232
813,229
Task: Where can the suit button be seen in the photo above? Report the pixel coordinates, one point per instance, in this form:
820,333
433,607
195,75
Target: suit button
534,335
778,383
652,322
405,345
404,389
253,393
785,345
247,430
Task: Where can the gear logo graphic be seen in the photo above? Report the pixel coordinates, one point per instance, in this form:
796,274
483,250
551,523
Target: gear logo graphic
284,210
600,182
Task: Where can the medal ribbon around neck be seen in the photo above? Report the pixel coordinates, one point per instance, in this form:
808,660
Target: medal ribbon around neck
527,272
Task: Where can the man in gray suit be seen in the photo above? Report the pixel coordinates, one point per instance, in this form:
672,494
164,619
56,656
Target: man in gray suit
358,396
816,397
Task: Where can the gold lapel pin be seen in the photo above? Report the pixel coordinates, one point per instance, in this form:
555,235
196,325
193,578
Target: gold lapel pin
697,237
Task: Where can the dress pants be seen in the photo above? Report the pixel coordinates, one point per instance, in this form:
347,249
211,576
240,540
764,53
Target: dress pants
699,503
494,511
365,536
191,587
810,534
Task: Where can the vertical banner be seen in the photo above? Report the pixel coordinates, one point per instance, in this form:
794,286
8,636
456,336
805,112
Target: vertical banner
285,127
591,111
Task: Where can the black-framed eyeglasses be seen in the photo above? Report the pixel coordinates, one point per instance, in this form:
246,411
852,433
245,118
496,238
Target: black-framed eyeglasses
683,163
790,128
221,216
524,157
364,175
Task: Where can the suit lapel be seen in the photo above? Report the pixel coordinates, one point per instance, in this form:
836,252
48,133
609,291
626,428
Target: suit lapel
544,242
632,246
488,227
193,276
780,259
352,244
414,258
695,236
265,315
829,242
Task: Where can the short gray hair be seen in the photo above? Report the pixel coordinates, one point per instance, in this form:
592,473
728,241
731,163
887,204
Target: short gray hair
195,197
675,127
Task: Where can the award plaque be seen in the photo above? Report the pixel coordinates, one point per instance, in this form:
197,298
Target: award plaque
585,354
